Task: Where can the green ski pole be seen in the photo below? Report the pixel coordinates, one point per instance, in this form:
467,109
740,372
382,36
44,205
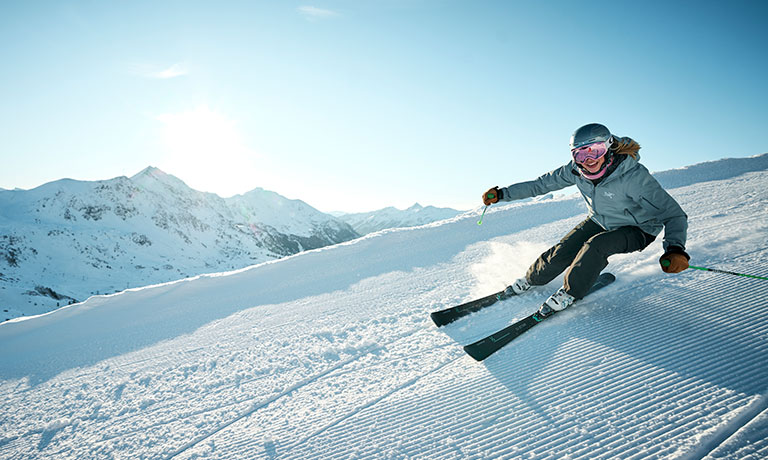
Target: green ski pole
480,222
666,263
727,273
490,196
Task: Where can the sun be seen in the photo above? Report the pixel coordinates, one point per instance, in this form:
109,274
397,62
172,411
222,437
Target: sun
205,149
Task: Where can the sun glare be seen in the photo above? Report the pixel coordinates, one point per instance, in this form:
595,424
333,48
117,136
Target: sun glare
206,150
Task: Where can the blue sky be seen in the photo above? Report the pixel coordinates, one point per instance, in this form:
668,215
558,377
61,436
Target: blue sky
361,104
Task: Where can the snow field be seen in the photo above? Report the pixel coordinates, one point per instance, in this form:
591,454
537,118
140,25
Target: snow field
331,353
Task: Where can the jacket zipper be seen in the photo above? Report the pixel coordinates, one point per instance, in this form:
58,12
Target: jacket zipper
594,205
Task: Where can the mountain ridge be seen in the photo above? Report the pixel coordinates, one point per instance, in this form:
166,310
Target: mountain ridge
391,217
127,232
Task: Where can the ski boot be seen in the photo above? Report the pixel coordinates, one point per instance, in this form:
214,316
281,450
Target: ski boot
558,301
518,287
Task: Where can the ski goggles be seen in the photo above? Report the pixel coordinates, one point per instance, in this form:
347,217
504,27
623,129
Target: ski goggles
592,151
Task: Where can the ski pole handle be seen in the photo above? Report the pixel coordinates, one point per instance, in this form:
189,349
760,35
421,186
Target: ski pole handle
491,194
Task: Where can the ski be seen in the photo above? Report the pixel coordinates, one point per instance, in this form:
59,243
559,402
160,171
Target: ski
484,348
449,315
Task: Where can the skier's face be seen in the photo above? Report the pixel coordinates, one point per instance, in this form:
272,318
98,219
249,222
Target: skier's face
593,165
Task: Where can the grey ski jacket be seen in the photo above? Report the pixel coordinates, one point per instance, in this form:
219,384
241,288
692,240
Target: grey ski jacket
628,196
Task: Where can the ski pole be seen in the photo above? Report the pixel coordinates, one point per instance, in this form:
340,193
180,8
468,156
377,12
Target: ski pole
667,263
490,196
727,273
480,222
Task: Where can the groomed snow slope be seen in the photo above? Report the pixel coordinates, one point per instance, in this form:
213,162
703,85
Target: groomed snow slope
331,353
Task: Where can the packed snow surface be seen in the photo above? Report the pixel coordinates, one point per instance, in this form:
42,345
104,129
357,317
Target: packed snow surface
331,353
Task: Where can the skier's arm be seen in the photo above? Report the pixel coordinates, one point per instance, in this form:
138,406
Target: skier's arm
554,180
652,197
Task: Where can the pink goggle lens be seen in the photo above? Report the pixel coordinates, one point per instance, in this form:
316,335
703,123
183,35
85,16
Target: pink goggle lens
590,151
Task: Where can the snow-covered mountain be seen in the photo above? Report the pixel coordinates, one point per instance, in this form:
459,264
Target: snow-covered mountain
391,217
330,354
67,240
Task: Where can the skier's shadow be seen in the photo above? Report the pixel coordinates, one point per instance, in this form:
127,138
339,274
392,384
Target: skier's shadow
521,358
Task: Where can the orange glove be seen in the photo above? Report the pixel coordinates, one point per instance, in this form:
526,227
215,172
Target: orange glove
491,196
674,260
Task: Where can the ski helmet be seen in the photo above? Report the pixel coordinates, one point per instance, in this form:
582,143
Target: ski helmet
588,134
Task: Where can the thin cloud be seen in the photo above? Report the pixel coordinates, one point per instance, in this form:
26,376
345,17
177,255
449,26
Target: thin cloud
174,71
314,13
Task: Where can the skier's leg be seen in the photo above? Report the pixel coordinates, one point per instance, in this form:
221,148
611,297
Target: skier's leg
557,258
593,257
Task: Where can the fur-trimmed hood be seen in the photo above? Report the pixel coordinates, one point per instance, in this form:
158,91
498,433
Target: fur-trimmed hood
626,146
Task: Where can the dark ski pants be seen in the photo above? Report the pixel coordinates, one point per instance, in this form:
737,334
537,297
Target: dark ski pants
584,252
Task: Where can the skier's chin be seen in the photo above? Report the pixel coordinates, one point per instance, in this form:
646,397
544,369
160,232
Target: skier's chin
593,166
592,169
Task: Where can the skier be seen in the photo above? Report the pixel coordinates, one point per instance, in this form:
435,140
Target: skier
627,209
